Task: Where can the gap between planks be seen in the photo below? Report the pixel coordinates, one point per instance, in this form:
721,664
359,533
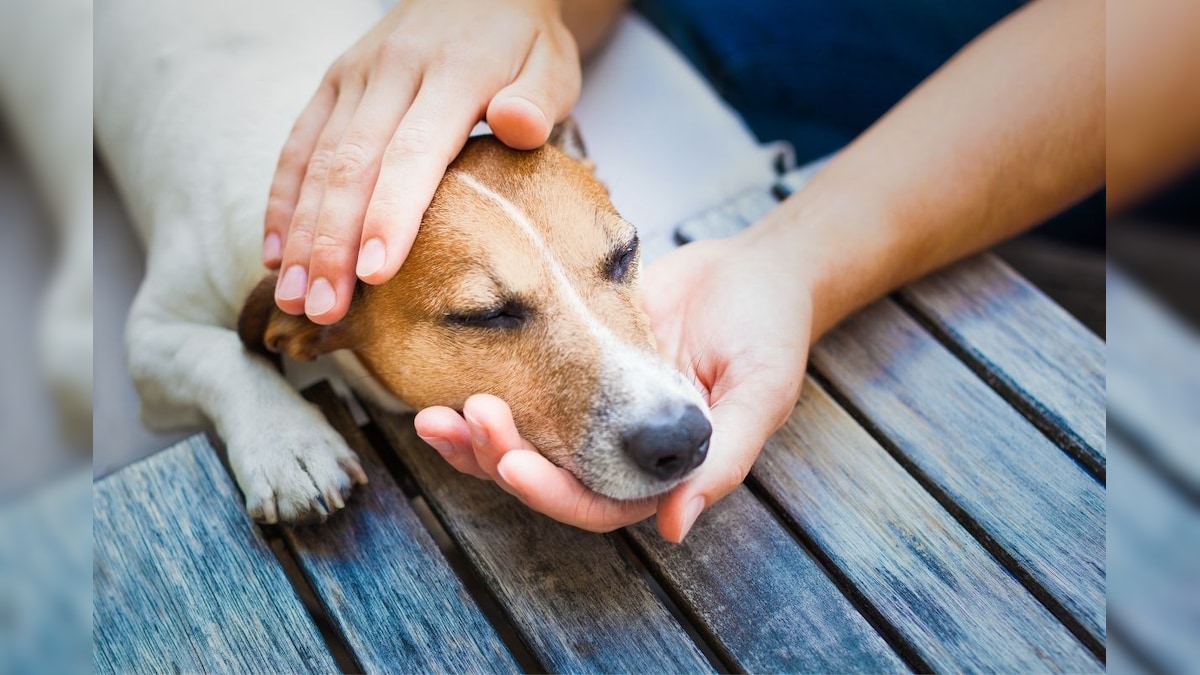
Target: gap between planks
460,562
709,645
882,626
335,642
1006,560
1062,436
493,610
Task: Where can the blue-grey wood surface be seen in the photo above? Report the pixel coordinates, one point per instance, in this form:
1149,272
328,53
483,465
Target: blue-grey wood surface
390,592
1154,379
45,578
920,512
940,591
763,601
577,602
1154,555
184,582
1032,502
1025,345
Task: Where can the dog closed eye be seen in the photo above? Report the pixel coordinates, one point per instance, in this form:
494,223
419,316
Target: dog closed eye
620,261
507,316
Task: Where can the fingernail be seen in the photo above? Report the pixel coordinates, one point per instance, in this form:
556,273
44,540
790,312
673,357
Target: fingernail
371,258
690,515
504,470
321,297
271,248
443,446
291,286
478,434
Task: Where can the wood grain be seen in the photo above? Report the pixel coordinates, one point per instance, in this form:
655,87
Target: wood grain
576,601
760,597
1026,346
183,582
1028,500
1154,556
383,581
45,577
1154,380
943,594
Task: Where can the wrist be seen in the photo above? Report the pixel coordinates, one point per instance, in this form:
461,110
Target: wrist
840,251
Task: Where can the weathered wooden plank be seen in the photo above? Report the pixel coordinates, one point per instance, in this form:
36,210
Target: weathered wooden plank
183,581
1026,346
1032,503
942,593
577,603
383,581
1120,661
1154,380
1154,556
761,598
45,578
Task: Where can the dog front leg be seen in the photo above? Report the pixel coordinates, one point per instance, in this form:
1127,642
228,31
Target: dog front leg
291,465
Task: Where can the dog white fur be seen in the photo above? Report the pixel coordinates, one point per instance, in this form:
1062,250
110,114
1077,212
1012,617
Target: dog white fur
192,103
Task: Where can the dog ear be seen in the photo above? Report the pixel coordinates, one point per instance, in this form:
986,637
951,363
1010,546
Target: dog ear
265,329
565,136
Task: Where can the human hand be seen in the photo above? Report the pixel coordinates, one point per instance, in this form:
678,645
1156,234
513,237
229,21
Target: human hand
365,157
727,319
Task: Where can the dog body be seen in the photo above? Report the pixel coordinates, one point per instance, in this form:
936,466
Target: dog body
522,282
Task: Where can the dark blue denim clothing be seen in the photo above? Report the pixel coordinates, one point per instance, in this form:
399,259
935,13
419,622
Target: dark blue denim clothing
817,73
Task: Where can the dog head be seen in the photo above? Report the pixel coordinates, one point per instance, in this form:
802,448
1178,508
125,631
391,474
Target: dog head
522,283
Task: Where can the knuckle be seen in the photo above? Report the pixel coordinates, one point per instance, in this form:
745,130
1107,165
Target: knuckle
399,48
319,163
449,55
327,242
348,166
413,138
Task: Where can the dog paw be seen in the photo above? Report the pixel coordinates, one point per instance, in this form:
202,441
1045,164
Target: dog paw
296,477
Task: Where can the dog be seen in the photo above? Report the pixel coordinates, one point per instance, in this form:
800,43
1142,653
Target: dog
522,281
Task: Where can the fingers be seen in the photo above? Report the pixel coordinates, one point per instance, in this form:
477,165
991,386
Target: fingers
740,429
446,431
289,173
556,493
484,442
293,284
347,190
493,432
431,134
523,113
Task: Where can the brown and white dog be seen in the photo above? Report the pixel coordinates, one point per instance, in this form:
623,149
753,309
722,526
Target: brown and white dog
522,281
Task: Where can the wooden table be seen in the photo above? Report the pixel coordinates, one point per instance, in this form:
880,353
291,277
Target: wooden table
936,502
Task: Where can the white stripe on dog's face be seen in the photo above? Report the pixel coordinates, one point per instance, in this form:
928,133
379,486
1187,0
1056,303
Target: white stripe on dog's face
634,383
532,238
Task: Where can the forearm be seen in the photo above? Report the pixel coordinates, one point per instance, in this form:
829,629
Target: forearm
1007,133
1153,101
590,21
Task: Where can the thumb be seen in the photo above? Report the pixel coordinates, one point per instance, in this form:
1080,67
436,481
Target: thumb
523,113
740,429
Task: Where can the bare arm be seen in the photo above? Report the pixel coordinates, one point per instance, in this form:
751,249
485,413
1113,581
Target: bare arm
1008,132
1153,95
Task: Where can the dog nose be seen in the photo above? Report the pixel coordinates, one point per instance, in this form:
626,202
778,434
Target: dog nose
671,444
